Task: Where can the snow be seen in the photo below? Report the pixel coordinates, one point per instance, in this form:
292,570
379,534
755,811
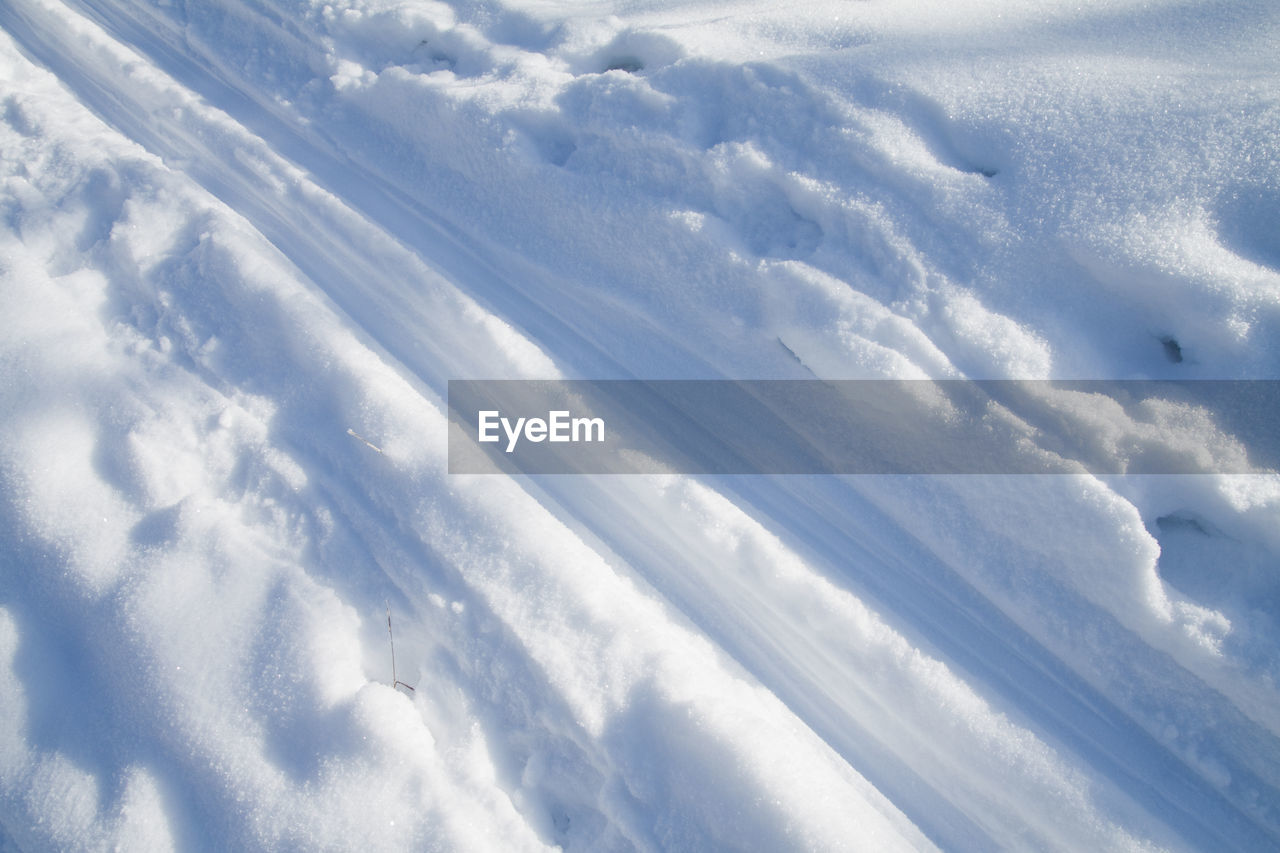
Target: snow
245,244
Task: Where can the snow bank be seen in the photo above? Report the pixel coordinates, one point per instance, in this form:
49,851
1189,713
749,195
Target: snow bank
245,245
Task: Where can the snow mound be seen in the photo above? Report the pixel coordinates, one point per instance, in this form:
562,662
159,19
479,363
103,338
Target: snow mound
245,245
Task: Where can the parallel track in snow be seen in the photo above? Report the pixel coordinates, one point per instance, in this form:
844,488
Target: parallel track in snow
318,207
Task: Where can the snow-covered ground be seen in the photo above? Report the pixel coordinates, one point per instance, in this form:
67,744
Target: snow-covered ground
236,232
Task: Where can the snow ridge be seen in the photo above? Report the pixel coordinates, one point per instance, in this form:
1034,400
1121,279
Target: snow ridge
238,233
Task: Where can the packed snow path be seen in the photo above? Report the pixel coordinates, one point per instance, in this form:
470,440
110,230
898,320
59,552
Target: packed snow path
237,232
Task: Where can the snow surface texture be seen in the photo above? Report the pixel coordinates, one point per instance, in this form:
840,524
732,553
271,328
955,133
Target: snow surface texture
234,230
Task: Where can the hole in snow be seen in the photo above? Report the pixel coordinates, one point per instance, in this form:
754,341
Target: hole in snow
1180,522
629,64
1233,576
16,117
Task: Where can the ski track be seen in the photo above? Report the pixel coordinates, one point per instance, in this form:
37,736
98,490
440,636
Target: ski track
650,663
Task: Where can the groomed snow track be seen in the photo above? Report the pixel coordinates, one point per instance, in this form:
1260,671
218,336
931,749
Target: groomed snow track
236,231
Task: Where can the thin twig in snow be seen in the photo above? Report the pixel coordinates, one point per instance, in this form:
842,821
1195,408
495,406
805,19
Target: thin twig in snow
367,442
395,682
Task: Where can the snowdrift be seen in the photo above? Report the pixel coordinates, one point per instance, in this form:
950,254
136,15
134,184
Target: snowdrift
246,243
